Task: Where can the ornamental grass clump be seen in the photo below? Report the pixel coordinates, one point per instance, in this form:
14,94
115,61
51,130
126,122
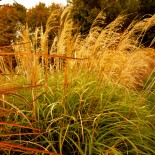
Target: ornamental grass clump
119,54
92,115
100,103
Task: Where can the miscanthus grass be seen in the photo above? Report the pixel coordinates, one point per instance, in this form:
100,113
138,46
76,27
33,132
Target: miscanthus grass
102,104
93,115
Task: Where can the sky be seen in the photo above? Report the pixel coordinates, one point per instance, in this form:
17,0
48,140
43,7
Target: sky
30,3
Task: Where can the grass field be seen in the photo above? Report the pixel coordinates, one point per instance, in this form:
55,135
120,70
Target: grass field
96,98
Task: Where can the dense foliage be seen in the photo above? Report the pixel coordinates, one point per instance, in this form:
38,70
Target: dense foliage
10,18
96,97
15,16
91,116
85,11
147,7
38,16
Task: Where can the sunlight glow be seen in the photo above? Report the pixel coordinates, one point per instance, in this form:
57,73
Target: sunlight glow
30,3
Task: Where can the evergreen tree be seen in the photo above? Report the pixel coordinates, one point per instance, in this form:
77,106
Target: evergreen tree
147,7
85,11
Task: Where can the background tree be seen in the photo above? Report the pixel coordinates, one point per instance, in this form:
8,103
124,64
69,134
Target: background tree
21,10
85,11
112,9
13,16
37,16
10,15
147,7
131,9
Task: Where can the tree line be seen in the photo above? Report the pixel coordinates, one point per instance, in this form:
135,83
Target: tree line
85,11
83,14
14,17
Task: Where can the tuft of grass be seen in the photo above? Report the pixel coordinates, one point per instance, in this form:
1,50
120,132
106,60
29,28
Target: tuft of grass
93,116
91,106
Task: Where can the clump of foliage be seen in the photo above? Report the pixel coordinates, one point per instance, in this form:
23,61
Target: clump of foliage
97,103
147,7
92,115
10,18
15,16
84,13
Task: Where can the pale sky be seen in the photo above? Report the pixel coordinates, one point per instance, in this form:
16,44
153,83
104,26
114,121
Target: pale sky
29,3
